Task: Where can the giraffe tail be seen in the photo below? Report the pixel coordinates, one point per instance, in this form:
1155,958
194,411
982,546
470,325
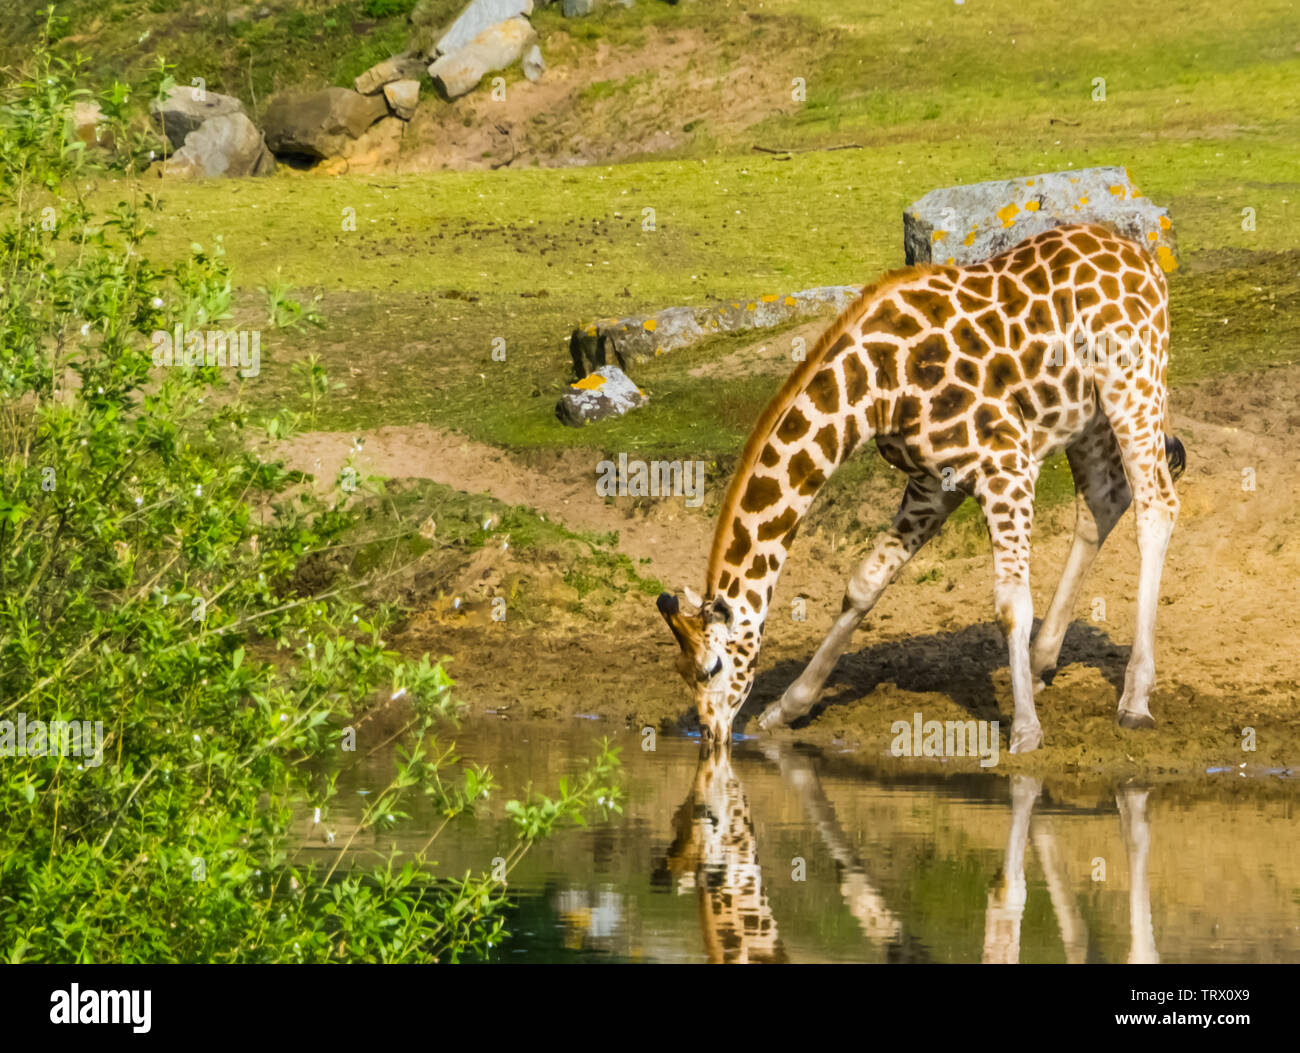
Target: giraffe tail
1176,456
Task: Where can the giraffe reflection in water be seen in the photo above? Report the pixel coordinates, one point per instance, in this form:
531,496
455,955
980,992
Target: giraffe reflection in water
714,854
1006,899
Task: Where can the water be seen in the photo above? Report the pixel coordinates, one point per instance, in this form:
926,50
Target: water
782,853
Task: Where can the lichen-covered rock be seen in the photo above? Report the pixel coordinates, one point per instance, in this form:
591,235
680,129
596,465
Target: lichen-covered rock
495,48
477,17
397,68
608,392
229,146
403,96
320,124
965,224
640,338
185,108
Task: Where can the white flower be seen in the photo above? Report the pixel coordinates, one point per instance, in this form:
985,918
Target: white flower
157,300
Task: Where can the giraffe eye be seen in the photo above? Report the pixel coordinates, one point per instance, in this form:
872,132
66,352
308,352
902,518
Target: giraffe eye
714,670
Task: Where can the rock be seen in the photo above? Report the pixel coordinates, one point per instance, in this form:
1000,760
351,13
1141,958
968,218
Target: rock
185,109
578,8
320,124
533,64
229,145
641,338
479,16
399,67
403,96
495,48
608,392
376,149
88,124
966,224
238,15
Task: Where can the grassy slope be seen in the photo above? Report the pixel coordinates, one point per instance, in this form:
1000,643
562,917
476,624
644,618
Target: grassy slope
1200,108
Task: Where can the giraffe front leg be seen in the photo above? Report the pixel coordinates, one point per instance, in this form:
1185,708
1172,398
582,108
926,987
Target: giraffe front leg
924,508
1007,499
1101,497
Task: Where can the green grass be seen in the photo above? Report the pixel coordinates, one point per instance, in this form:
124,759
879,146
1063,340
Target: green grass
1199,106
389,544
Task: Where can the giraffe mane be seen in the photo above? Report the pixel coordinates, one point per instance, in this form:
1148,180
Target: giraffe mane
794,384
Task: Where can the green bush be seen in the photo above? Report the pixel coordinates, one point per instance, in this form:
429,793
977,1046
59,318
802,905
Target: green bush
152,591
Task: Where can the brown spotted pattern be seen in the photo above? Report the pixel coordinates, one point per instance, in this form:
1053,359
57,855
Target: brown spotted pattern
715,853
966,378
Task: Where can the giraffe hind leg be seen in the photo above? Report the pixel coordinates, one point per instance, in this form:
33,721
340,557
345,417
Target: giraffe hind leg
924,508
1101,497
1146,459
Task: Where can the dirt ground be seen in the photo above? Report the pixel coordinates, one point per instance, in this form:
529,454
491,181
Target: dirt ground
591,107
1226,638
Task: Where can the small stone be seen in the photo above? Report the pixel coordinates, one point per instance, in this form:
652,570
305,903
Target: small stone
403,96
399,67
533,64
608,392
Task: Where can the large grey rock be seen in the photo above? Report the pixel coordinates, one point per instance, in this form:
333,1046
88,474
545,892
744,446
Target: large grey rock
399,67
965,224
478,16
642,337
495,48
608,392
403,97
322,123
185,108
229,145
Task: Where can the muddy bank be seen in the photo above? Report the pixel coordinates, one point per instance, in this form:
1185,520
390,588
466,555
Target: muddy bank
1225,640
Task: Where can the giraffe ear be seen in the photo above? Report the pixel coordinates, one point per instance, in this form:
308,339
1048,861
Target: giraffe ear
693,598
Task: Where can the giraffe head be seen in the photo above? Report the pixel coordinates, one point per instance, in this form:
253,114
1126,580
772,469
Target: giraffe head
717,659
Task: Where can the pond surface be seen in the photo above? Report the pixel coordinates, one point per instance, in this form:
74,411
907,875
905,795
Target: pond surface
776,852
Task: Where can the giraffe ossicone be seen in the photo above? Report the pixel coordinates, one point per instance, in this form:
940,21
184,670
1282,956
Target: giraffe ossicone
966,378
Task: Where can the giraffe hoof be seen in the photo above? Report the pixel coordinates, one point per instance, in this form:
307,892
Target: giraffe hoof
1026,737
1135,721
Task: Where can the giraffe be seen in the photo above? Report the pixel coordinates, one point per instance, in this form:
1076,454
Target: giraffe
966,378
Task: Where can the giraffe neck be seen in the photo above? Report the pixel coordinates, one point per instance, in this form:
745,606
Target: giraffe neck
824,411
